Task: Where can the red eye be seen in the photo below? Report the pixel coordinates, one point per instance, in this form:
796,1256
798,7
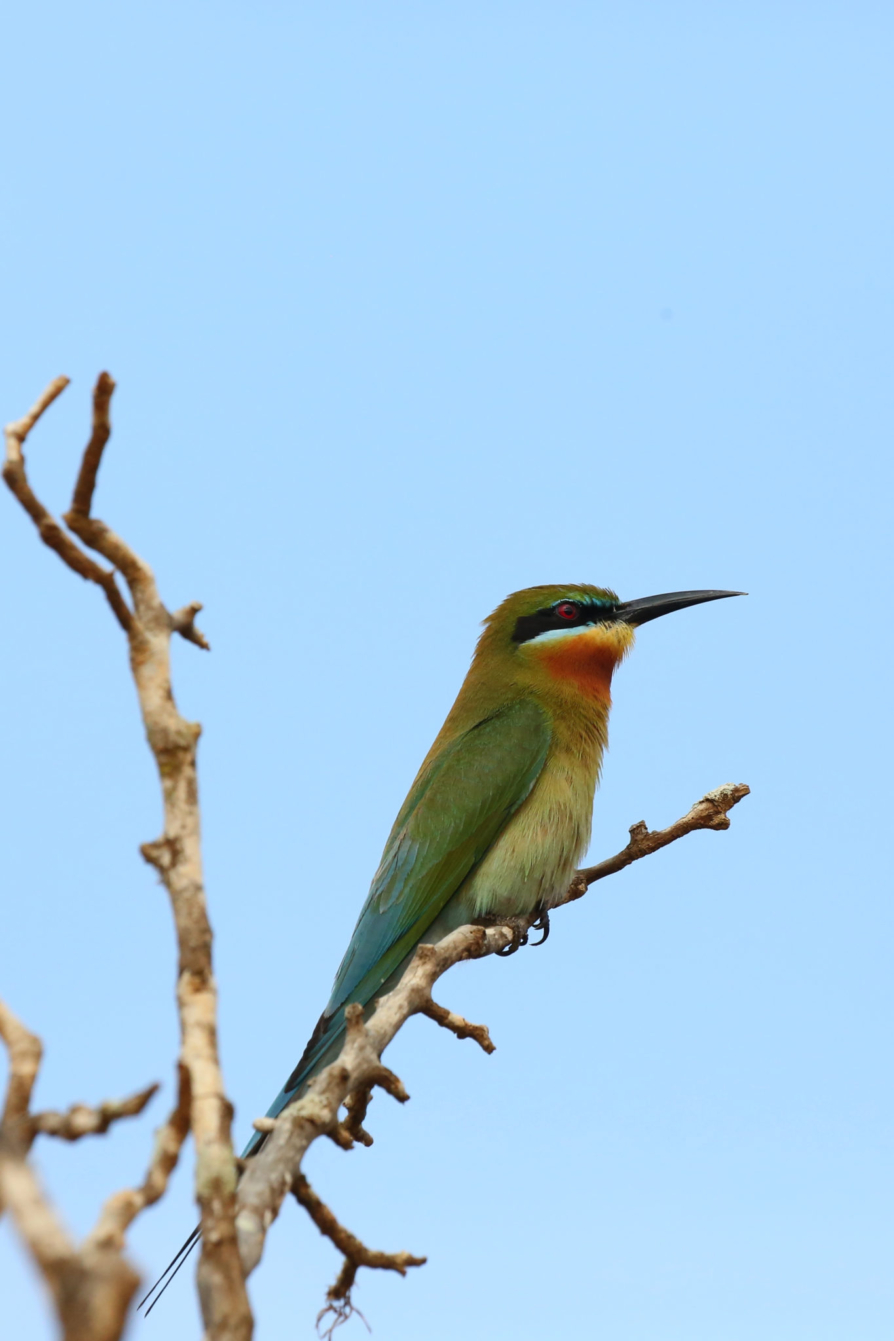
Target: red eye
567,610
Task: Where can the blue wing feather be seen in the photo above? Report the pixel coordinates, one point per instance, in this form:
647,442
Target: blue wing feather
455,811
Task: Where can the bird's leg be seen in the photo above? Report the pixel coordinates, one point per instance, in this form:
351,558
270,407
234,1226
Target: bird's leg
542,924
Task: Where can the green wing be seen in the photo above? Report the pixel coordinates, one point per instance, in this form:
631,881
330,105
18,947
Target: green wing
453,814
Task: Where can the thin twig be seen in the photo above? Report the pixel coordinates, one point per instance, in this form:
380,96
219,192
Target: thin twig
82,500
356,1253
122,1208
347,1243
49,530
711,812
25,1051
80,1120
457,1025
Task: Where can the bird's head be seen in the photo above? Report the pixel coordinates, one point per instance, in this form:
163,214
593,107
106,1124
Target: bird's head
570,636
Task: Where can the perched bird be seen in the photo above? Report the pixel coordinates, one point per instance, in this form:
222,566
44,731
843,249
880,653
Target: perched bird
499,814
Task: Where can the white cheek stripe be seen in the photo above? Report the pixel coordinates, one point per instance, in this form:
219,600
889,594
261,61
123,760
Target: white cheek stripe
550,634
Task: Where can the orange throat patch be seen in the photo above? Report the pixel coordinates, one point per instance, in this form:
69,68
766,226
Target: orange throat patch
587,659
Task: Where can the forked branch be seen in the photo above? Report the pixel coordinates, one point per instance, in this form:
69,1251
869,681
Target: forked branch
355,1253
202,1103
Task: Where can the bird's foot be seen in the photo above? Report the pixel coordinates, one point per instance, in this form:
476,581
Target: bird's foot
519,938
520,928
542,924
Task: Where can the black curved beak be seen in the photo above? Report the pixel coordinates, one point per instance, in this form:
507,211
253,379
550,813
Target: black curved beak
652,607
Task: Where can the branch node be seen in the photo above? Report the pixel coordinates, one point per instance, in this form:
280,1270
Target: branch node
163,853
183,622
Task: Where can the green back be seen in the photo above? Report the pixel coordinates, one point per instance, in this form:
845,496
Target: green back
454,812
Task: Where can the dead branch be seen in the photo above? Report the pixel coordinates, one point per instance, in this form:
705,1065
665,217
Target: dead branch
457,1025
122,1209
355,1253
80,1120
177,854
183,622
48,528
276,1168
91,1288
270,1174
25,1051
357,1106
711,812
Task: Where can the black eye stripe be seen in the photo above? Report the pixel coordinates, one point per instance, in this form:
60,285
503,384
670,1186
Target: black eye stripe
530,626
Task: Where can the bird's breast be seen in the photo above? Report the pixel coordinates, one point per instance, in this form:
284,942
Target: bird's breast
535,856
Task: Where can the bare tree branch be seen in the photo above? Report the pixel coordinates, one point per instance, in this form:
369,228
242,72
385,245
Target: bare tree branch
183,622
80,1120
269,1175
176,855
82,500
25,1051
357,1106
92,1288
50,531
711,812
122,1209
457,1025
355,1253
274,1170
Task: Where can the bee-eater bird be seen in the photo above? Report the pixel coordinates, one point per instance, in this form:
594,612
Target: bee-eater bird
499,814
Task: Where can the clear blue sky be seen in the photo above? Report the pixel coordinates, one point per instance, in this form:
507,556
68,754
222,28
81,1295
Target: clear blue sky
412,305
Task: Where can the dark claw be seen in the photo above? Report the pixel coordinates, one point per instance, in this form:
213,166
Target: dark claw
516,944
542,924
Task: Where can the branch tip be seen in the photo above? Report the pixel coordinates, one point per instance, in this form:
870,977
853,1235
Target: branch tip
82,498
458,1026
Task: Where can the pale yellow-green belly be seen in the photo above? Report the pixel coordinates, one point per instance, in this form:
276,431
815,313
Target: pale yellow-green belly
533,860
